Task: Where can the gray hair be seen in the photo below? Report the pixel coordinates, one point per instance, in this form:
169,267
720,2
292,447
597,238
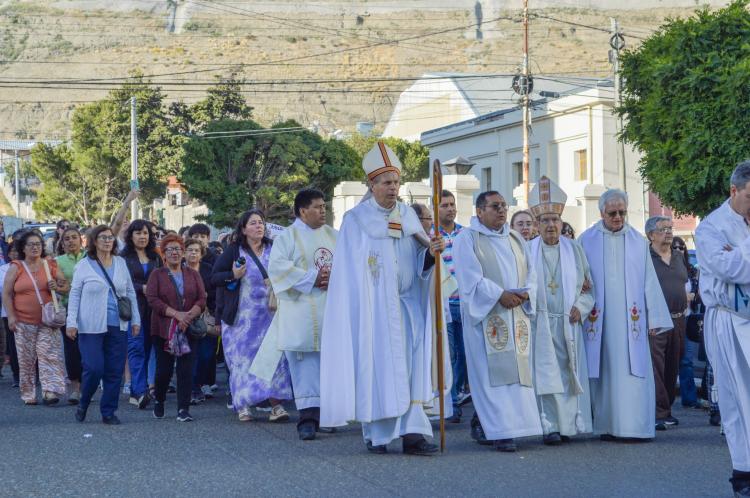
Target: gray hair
653,221
612,195
741,175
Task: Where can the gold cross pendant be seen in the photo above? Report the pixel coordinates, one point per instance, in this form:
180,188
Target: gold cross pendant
553,287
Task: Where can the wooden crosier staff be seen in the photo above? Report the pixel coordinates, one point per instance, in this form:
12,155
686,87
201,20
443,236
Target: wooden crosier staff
437,190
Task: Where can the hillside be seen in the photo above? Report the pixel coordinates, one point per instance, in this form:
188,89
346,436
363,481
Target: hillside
301,60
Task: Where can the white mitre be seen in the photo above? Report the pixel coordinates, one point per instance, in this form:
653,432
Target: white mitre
380,159
546,198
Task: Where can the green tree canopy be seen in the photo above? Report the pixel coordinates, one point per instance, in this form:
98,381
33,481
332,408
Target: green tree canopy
414,156
262,169
687,105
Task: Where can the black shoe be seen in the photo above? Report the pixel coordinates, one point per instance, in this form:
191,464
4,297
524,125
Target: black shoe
80,414
660,425
113,420
477,434
421,448
743,492
671,421
552,439
715,419
454,419
505,445
607,437
158,409
15,383
380,449
171,389
50,401
184,416
230,406
565,439
306,432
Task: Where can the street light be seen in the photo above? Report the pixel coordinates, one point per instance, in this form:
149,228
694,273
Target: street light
458,166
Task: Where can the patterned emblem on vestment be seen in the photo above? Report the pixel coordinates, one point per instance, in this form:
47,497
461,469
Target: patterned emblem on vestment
374,264
522,336
497,332
323,257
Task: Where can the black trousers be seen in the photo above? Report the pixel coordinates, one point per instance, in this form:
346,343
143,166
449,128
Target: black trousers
72,357
10,350
165,365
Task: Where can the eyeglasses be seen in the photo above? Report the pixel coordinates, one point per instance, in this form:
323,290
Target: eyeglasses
548,221
173,250
567,232
426,219
664,230
497,207
621,213
106,238
34,245
679,248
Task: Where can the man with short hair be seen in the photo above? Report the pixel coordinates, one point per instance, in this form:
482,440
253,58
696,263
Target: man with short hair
666,348
723,247
449,229
376,351
299,268
497,286
629,306
564,301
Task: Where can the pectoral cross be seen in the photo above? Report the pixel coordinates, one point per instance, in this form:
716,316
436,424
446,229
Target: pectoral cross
552,287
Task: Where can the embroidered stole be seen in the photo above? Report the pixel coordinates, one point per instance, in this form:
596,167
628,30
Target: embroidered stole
506,331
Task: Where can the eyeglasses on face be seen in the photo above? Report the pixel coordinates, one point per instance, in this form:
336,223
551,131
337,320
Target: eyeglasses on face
106,238
497,207
34,245
679,248
173,250
664,230
620,212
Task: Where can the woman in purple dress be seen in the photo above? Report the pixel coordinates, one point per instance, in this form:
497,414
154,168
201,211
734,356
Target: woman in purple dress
242,339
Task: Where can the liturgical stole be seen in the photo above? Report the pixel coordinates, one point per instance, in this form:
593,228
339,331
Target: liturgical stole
506,331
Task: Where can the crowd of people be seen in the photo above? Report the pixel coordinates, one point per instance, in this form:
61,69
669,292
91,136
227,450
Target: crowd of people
547,334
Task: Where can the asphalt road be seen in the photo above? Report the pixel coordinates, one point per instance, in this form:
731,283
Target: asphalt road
44,452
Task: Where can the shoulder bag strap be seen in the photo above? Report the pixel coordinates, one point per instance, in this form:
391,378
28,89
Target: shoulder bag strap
263,271
33,281
49,278
107,276
177,288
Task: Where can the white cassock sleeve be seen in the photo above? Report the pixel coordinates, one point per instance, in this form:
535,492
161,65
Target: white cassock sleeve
729,266
478,294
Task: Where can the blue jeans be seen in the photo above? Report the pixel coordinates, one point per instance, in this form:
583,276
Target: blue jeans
458,355
204,371
688,391
103,359
139,350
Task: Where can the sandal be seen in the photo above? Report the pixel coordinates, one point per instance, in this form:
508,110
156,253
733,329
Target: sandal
50,399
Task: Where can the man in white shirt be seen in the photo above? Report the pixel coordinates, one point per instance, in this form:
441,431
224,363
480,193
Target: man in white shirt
723,247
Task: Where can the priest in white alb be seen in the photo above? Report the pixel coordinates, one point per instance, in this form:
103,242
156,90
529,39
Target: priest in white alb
563,301
629,305
497,287
299,268
723,247
377,339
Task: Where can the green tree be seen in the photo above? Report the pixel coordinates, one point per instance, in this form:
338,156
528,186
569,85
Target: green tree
687,105
414,156
224,101
262,169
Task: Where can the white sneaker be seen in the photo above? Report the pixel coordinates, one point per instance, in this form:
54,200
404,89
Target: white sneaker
278,414
245,415
207,392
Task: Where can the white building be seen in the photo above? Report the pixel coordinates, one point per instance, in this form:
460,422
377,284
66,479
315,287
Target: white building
573,141
439,99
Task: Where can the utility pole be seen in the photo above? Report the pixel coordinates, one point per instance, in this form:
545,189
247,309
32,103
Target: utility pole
18,189
133,158
617,43
525,96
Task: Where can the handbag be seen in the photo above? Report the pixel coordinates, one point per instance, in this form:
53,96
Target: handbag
272,302
124,306
694,323
53,315
197,328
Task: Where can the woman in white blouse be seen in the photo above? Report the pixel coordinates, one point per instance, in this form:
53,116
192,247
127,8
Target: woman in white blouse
94,317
